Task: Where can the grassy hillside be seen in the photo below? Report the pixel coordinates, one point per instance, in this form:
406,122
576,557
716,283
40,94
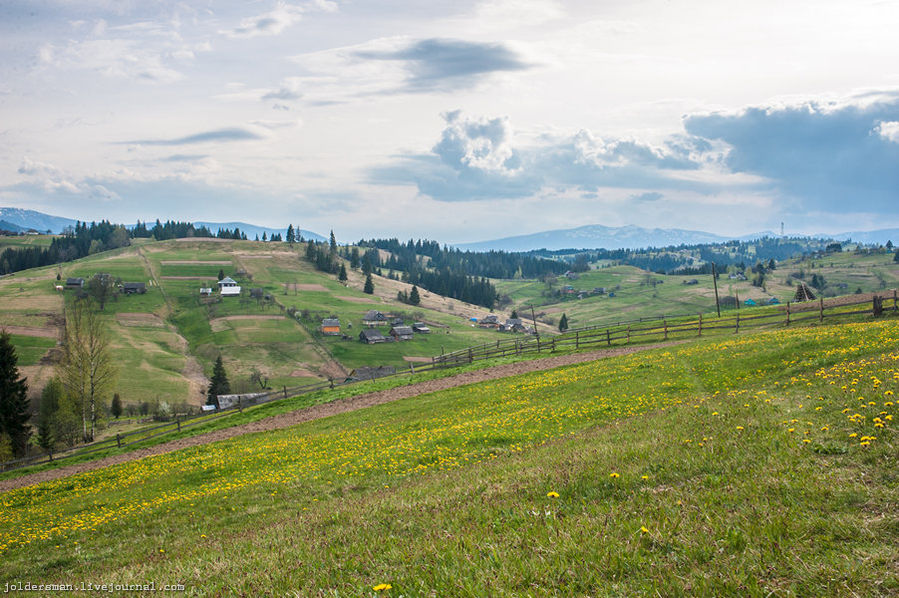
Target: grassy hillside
637,297
758,465
167,339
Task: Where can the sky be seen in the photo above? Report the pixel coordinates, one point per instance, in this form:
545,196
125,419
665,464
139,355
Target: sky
455,121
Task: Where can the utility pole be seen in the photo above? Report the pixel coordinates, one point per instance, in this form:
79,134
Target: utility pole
715,280
534,320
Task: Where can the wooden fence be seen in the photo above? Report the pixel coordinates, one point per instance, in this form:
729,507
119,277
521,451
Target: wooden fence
624,334
620,334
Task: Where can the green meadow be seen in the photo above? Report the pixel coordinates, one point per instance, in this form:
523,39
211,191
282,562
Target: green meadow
752,465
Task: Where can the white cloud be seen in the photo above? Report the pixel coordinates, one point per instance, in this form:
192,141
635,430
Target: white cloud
889,130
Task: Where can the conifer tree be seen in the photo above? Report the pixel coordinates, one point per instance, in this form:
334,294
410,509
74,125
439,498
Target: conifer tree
369,285
341,276
13,400
291,236
116,407
219,384
414,298
563,323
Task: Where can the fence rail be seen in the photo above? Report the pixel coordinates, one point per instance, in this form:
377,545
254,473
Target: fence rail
622,333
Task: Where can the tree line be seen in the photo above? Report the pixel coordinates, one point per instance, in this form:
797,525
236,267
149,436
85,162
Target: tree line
76,242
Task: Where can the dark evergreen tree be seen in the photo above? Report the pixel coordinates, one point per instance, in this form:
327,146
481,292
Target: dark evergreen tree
116,407
414,298
221,274
219,384
354,258
563,323
264,236
333,244
369,287
341,276
291,237
13,398
514,314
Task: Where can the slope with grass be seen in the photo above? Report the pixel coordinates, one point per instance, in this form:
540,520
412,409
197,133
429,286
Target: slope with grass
756,465
167,339
642,294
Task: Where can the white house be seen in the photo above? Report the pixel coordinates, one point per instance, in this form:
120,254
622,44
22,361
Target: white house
228,287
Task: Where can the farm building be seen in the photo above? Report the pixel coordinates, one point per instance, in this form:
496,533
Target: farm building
205,291
331,326
402,333
228,287
490,321
371,336
514,325
420,328
74,283
374,318
131,288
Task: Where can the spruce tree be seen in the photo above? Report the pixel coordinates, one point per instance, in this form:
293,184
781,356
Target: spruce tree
563,323
414,298
116,407
341,276
219,384
291,237
13,400
369,287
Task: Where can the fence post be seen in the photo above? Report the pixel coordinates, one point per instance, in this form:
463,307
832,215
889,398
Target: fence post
894,301
239,404
178,422
411,367
788,313
700,324
331,382
665,324
821,309
577,340
470,356
737,328
628,334
608,338
553,341
517,347
285,392
877,307
118,440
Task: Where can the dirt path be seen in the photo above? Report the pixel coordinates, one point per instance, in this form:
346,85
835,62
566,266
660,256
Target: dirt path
49,332
345,405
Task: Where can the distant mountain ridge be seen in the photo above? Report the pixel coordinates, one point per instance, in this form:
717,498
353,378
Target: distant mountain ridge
596,236
30,219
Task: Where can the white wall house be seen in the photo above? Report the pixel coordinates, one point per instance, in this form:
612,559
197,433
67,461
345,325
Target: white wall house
228,287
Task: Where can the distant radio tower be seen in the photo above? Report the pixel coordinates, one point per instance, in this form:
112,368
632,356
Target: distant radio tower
781,229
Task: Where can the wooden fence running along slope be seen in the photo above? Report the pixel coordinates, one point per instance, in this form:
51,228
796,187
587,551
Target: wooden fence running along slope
575,339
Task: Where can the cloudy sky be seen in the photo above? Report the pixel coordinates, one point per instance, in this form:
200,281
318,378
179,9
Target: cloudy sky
454,120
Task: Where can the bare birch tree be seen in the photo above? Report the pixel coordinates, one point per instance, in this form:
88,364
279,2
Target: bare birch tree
88,370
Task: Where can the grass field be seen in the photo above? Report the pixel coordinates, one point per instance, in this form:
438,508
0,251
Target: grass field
636,298
758,465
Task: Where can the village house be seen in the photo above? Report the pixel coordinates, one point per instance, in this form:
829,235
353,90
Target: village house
420,328
402,333
74,283
331,326
228,287
374,318
514,325
131,288
490,321
371,336
205,291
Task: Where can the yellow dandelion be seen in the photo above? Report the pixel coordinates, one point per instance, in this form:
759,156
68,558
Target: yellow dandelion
381,587
552,494
643,529
614,475
740,428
